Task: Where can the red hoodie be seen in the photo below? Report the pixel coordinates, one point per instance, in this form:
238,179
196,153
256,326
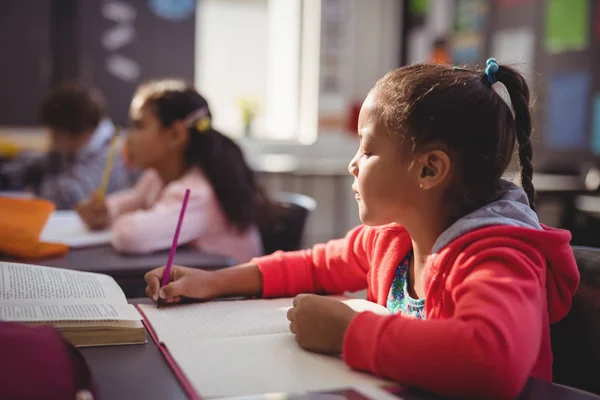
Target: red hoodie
490,295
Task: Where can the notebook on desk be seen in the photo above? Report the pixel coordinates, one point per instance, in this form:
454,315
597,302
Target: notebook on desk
235,348
349,393
65,227
88,309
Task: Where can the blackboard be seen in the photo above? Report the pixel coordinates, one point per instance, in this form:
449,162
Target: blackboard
130,41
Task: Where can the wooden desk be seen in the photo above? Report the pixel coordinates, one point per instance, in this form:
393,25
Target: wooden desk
129,270
140,372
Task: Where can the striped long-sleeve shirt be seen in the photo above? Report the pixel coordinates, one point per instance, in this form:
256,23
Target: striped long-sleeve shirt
65,181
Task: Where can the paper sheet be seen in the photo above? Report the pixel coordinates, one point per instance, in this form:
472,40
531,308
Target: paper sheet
66,227
250,340
68,312
223,319
30,284
261,364
218,319
351,392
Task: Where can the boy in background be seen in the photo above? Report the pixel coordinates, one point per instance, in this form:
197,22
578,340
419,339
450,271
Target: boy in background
74,115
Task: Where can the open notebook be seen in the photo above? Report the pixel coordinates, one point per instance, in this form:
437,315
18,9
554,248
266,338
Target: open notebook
233,348
88,309
65,227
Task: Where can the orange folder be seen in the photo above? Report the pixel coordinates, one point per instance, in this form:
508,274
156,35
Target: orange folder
21,223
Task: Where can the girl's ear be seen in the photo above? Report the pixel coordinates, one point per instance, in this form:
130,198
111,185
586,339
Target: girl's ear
435,168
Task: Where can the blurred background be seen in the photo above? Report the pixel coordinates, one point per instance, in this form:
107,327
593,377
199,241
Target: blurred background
286,79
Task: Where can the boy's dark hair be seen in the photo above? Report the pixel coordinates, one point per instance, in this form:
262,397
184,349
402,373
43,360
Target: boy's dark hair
73,108
242,198
459,110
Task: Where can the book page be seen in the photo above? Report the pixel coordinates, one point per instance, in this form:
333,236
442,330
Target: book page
68,312
261,364
65,227
220,319
23,284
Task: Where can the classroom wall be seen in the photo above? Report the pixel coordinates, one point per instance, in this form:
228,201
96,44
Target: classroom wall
552,42
26,67
364,45
111,44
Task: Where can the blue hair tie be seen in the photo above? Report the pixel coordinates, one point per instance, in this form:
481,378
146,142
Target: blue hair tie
491,68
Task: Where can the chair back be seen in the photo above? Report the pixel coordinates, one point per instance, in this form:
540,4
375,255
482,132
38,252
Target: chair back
288,235
576,339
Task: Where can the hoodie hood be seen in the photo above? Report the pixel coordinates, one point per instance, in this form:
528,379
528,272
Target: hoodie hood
511,208
511,216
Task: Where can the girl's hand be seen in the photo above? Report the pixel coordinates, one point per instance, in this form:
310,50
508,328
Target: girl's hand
319,323
93,212
185,282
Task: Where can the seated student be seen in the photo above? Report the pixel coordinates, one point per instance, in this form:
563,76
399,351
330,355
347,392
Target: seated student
454,252
172,139
37,363
81,136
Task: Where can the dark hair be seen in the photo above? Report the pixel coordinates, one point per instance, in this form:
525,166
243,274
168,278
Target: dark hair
242,198
73,108
458,109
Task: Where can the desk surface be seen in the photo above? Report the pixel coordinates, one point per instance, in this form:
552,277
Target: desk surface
132,372
140,372
107,261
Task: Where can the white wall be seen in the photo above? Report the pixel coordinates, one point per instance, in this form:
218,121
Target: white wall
231,58
377,31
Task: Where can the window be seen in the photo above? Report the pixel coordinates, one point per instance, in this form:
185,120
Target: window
265,52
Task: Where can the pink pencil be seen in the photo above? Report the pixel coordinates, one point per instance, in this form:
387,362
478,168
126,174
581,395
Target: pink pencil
167,273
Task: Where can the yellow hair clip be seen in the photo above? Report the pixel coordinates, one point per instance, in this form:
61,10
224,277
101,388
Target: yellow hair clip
203,124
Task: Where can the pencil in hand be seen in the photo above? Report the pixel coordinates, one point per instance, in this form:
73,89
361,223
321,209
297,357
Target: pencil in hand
167,274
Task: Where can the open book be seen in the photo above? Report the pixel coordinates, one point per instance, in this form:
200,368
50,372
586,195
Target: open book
88,309
65,227
234,348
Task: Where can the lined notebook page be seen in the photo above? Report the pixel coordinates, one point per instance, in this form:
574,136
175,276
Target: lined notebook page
261,364
218,319
222,319
232,348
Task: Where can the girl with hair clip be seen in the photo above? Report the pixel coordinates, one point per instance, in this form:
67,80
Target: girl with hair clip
455,252
173,141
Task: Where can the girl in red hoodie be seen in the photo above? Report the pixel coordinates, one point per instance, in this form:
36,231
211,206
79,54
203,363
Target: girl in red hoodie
454,251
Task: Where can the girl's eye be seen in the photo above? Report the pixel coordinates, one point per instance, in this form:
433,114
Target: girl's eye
366,154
